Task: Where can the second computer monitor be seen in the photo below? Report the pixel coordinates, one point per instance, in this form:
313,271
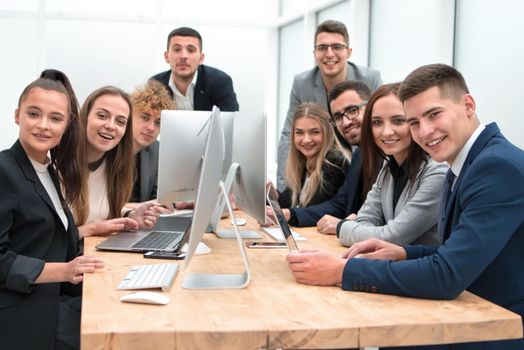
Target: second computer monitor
249,151
183,137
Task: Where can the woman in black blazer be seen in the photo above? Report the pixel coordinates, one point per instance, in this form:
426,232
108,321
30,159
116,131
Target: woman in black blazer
39,266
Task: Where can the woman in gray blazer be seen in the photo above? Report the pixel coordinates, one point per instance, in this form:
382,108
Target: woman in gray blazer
402,204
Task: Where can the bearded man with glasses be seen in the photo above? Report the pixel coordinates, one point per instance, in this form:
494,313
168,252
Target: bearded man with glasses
332,52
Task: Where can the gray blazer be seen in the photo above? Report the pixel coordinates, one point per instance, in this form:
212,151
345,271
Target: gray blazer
148,172
309,87
415,217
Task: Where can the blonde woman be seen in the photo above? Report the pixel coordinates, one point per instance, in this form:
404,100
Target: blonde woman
316,166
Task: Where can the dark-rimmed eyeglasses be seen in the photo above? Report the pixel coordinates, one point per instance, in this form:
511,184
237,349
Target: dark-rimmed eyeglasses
349,112
337,48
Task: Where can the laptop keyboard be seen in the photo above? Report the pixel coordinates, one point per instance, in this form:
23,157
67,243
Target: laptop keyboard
158,240
150,276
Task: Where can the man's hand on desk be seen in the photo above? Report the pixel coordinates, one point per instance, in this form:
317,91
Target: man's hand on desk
376,249
316,267
327,225
271,220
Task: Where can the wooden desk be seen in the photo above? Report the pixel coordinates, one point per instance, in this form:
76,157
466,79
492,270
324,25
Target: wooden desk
274,311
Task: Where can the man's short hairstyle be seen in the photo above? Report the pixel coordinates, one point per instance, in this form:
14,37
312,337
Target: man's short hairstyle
359,87
449,81
332,26
185,31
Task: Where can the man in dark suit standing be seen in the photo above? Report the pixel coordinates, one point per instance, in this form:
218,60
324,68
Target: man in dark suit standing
480,220
193,85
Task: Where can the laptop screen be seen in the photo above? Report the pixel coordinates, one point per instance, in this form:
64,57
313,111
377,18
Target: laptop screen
281,219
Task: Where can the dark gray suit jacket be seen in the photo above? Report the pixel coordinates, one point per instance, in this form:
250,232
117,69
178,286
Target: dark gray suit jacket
309,87
147,174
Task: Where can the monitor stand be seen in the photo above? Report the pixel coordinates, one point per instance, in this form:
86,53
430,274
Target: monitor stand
221,205
222,281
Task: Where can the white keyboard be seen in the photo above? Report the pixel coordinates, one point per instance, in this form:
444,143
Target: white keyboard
275,233
150,276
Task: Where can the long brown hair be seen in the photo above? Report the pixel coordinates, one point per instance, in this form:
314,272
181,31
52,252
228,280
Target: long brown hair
68,168
372,155
119,161
297,163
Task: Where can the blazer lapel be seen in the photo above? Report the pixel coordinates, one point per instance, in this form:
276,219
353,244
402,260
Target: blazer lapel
30,173
199,93
477,147
320,91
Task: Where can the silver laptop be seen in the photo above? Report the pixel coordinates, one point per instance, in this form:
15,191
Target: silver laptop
281,219
169,234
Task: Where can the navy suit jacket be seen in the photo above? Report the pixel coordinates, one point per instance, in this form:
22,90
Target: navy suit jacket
31,233
348,199
484,240
212,88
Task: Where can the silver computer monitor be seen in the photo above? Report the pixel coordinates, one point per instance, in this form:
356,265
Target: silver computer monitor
207,194
183,137
249,151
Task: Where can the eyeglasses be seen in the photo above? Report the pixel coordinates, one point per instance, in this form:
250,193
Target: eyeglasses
349,112
336,48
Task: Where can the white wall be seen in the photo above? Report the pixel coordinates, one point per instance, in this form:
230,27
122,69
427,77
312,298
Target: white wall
490,54
121,42
405,34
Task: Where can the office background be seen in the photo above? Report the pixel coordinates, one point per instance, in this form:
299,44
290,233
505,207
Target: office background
262,45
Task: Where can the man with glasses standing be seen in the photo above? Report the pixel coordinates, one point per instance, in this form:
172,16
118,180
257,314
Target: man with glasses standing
347,102
332,52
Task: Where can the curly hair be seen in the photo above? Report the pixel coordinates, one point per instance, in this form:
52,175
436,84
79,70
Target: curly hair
152,96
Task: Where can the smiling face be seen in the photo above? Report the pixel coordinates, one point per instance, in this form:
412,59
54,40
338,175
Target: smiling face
184,56
350,128
146,127
106,125
332,62
308,136
390,128
43,116
439,124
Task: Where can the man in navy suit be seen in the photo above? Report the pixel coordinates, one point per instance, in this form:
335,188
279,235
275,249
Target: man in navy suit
193,85
481,219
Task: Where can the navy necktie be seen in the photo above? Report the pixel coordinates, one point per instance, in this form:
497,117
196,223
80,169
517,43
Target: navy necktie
448,184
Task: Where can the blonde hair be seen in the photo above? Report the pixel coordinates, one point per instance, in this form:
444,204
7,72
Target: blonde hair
152,96
297,163
119,173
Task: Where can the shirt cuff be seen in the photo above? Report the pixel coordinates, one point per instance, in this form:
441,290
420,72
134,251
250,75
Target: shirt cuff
23,273
293,220
340,223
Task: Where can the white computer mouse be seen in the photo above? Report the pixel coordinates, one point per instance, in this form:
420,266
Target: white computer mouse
239,221
143,297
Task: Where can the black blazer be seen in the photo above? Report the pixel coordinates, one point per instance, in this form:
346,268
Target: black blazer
346,201
334,174
213,88
31,233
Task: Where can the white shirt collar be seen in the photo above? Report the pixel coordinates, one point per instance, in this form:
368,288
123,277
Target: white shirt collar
39,167
458,163
184,102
